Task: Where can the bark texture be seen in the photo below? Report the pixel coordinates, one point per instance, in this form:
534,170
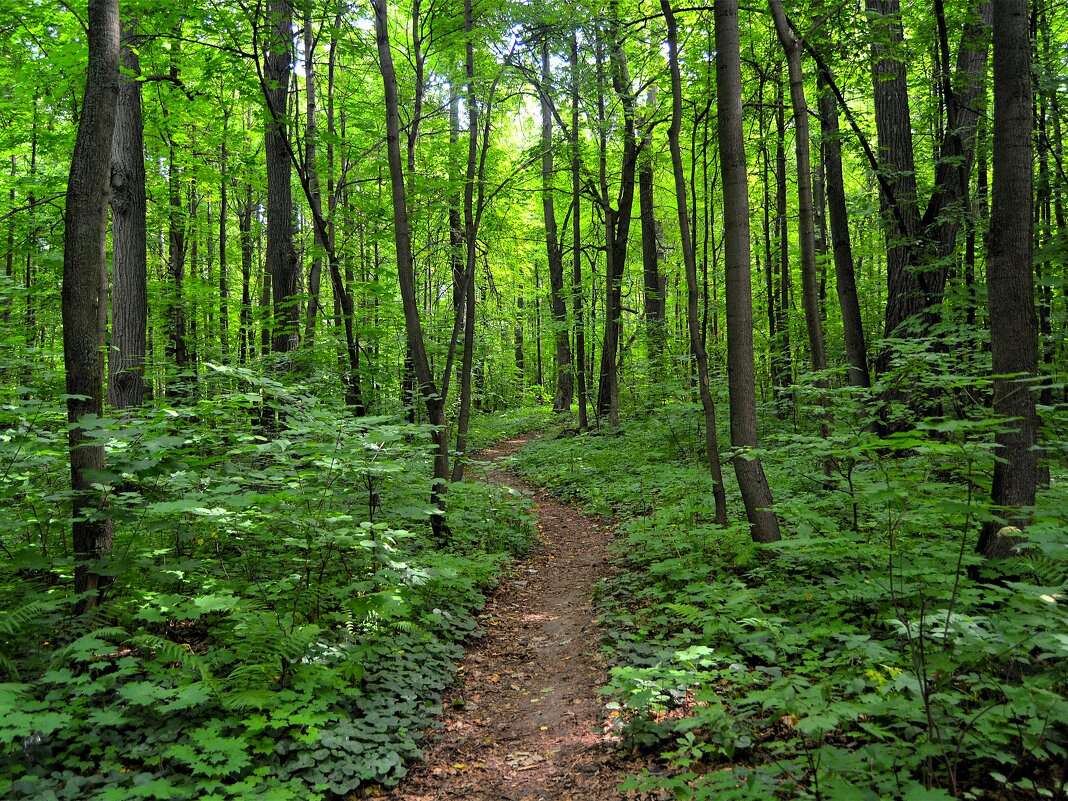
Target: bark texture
281,258
129,236
1010,277
84,292
756,495
697,345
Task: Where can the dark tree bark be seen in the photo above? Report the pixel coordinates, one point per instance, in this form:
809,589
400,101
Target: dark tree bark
244,229
782,356
810,299
617,220
893,126
756,495
177,349
84,293
576,238
402,236
281,259
224,210
311,156
565,386
690,261
919,248
1010,278
655,305
845,279
129,235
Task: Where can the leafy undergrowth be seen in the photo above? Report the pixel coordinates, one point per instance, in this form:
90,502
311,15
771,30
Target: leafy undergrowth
281,623
857,659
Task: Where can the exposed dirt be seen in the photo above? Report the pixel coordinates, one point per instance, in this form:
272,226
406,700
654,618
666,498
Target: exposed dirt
524,721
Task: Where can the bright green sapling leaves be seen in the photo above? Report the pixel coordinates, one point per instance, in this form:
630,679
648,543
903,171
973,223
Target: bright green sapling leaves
858,658
279,625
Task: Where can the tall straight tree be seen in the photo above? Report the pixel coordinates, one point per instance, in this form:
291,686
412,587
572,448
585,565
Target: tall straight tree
697,345
741,369
281,258
84,293
129,272
432,398
806,234
576,237
616,220
845,280
565,385
1010,275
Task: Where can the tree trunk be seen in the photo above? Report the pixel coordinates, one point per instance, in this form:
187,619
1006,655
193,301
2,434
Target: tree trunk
244,230
756,495
84,264
651,253
129,235
576,238
806,234
782,357
617,221
565,387
1010,278
281,259
690,261
310,155
224,278
402,236
845,279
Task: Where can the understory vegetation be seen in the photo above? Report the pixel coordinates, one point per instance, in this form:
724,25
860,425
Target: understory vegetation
279,625
869,655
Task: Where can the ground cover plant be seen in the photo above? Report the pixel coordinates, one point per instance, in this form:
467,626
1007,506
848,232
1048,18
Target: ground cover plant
870,655
279,623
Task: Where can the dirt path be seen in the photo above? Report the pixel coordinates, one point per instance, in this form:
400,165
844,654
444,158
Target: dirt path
523,722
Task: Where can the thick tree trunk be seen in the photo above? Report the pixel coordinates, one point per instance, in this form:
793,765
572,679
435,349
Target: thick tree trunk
565,387
1010,277
690,262
845,279
83,296
281,259
129,235
756,495
893,126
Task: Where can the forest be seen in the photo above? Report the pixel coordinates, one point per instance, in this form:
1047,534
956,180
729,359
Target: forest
484,398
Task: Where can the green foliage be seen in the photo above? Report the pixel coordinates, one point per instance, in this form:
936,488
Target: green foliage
870,654
279,625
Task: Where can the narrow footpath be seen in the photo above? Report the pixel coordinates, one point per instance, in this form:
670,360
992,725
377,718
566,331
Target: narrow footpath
524,721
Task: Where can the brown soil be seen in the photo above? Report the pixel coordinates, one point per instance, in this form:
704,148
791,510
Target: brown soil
524,721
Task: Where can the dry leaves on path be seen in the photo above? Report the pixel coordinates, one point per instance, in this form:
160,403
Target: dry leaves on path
524,721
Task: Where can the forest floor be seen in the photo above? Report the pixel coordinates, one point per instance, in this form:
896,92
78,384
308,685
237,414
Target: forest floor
524,720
